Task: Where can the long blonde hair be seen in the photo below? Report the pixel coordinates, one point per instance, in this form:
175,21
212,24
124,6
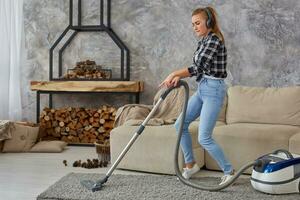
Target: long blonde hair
215,26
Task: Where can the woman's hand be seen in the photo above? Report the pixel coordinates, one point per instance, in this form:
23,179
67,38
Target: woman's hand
174,77
170,81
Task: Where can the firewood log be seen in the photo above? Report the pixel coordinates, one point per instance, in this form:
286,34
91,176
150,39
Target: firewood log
57,129
91,120
101,129
48,124
71,125
44,113
57,135
102,121
64,133
93,140
91,136
85,140
50,131
47,118
73,114
80,136
75,140
61,124
87,128
108,124
70,137
104,116
104,108
100,137
59,118
78,125
95,124
80,130
54,123
72,132
64,138
86,123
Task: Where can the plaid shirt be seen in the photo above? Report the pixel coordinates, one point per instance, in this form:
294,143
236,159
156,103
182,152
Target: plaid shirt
210,58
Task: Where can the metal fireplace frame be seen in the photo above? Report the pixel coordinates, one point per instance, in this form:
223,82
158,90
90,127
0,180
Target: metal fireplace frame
125,53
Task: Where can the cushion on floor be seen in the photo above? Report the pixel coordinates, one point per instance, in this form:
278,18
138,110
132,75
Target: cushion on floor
53,146
22,138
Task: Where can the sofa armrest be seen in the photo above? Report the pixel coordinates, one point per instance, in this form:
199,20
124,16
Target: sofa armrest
294,144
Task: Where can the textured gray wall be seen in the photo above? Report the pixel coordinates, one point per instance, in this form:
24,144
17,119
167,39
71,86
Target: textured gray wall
262,38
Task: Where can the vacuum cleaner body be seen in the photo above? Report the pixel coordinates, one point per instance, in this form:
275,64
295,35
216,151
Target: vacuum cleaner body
276,174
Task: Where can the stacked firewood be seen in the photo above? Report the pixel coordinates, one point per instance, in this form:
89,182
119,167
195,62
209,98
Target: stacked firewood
88,70
78,125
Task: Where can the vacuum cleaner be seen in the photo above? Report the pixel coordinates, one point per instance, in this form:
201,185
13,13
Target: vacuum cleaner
278,173
272,173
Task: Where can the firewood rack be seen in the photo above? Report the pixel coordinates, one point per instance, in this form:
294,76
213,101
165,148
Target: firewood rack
119,85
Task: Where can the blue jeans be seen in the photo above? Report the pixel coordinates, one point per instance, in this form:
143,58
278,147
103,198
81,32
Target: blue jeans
206,103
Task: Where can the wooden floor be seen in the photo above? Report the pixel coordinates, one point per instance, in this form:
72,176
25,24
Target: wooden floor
25,175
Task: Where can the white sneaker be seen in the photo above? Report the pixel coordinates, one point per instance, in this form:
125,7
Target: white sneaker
182,173
225,179
188,172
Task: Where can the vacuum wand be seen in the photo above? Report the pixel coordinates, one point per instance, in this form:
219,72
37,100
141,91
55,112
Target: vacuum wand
95,186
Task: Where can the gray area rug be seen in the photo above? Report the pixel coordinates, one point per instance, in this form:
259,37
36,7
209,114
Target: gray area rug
150,187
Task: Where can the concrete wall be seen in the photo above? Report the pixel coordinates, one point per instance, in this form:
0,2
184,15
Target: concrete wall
262,38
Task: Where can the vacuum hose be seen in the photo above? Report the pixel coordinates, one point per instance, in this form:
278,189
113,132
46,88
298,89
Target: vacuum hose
177,170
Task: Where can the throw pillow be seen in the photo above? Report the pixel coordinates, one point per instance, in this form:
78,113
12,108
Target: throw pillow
22,138
5,129
53,146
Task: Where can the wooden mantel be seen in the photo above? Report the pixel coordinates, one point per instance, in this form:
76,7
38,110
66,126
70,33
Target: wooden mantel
88,86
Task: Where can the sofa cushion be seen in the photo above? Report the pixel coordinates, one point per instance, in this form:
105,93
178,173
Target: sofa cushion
244,142
5,129
153,151
53,146
294,144
263,105
23,138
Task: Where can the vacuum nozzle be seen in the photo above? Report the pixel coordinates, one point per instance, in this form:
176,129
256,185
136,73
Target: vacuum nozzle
92,185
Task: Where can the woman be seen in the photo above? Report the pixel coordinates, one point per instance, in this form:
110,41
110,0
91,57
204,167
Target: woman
209,67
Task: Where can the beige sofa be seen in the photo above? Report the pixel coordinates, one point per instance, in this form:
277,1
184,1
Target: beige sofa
254,121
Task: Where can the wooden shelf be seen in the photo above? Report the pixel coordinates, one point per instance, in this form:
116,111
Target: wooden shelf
133,88
88,86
